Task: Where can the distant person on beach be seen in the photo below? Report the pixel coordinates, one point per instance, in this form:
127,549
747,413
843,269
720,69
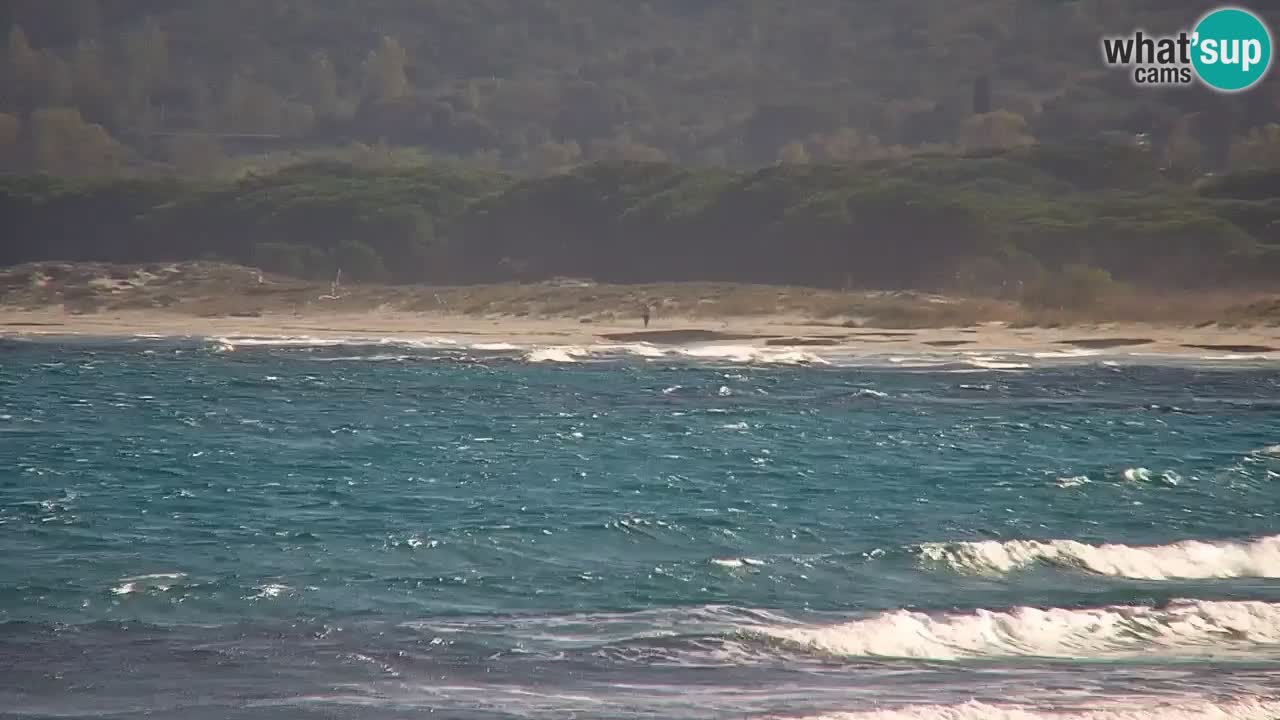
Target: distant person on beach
645,313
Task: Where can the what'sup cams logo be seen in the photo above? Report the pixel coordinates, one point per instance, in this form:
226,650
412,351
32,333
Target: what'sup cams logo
1229,51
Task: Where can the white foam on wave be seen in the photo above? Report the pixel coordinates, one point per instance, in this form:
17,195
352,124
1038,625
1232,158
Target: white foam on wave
1184,628
230,343
921,360
1146,475
1240,709
1189,559
644,350
270,590
751,354
1065,354
383,357
1231,358
557,354
746,354
987,362
737,562
160,582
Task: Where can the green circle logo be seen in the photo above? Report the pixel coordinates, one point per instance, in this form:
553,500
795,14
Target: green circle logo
1231,49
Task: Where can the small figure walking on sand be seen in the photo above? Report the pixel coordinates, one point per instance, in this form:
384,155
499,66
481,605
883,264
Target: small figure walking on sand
645,313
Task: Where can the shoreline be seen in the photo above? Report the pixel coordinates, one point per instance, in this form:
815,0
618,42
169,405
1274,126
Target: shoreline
766,332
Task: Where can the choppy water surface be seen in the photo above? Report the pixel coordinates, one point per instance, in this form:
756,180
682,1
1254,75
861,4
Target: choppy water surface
308,530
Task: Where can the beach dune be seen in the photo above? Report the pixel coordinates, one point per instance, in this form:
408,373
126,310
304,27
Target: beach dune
208,299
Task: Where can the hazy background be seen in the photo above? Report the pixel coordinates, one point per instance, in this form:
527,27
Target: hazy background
976,147
535,85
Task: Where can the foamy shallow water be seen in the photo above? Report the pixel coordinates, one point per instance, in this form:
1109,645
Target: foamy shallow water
849,355
258,527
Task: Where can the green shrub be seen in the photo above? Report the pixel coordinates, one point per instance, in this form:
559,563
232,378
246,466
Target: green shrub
1074,287
360,261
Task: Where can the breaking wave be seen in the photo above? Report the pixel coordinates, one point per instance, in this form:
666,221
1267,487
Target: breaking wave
851,355
566,354
1182,629
1241,709
1189,559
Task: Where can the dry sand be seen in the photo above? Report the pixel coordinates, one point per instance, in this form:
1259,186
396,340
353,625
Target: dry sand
213,300
772,331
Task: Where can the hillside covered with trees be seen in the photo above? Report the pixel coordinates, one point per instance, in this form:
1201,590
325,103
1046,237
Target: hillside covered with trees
1053,224
139,87
974,146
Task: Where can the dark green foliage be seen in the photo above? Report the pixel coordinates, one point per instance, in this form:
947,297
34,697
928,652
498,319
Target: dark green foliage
1244,185
60,219
1000,221
1075,287
360,261
303,261
735,81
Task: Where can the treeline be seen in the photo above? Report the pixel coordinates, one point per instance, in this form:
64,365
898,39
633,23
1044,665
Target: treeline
208,89
992,223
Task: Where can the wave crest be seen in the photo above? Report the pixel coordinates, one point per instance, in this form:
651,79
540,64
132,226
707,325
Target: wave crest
1185,628
1190,559
1246,709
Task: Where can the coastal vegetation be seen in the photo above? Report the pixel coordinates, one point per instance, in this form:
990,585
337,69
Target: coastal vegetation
195,88
430,141
1054,225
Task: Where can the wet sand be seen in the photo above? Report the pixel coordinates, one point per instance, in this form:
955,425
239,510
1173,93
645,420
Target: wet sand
762,331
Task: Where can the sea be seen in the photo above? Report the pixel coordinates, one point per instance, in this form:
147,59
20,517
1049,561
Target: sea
250,527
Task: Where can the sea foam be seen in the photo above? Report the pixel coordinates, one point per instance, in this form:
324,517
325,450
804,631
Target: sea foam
1240,709
1183,628
1189,559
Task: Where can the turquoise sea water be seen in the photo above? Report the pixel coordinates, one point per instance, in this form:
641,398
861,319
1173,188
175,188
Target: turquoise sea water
338,530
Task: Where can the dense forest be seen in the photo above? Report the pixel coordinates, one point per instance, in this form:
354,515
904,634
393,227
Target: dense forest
1052,223
138,87
974,146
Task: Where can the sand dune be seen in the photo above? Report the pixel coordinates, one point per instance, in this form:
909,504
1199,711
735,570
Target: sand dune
206,299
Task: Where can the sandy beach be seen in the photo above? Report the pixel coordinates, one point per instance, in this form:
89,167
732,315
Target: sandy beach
758,331
225,301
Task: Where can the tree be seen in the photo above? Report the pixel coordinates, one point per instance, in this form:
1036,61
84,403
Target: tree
999,130
360,261
1260,149
147,54
57,86
623,149
793,153
89,82
844,146
23,74
203,106
10,129
297,119
10,134
87,15
251,106
300,261
322,85
553,157
385,75
1183,154
1075,287
199,155
64,144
